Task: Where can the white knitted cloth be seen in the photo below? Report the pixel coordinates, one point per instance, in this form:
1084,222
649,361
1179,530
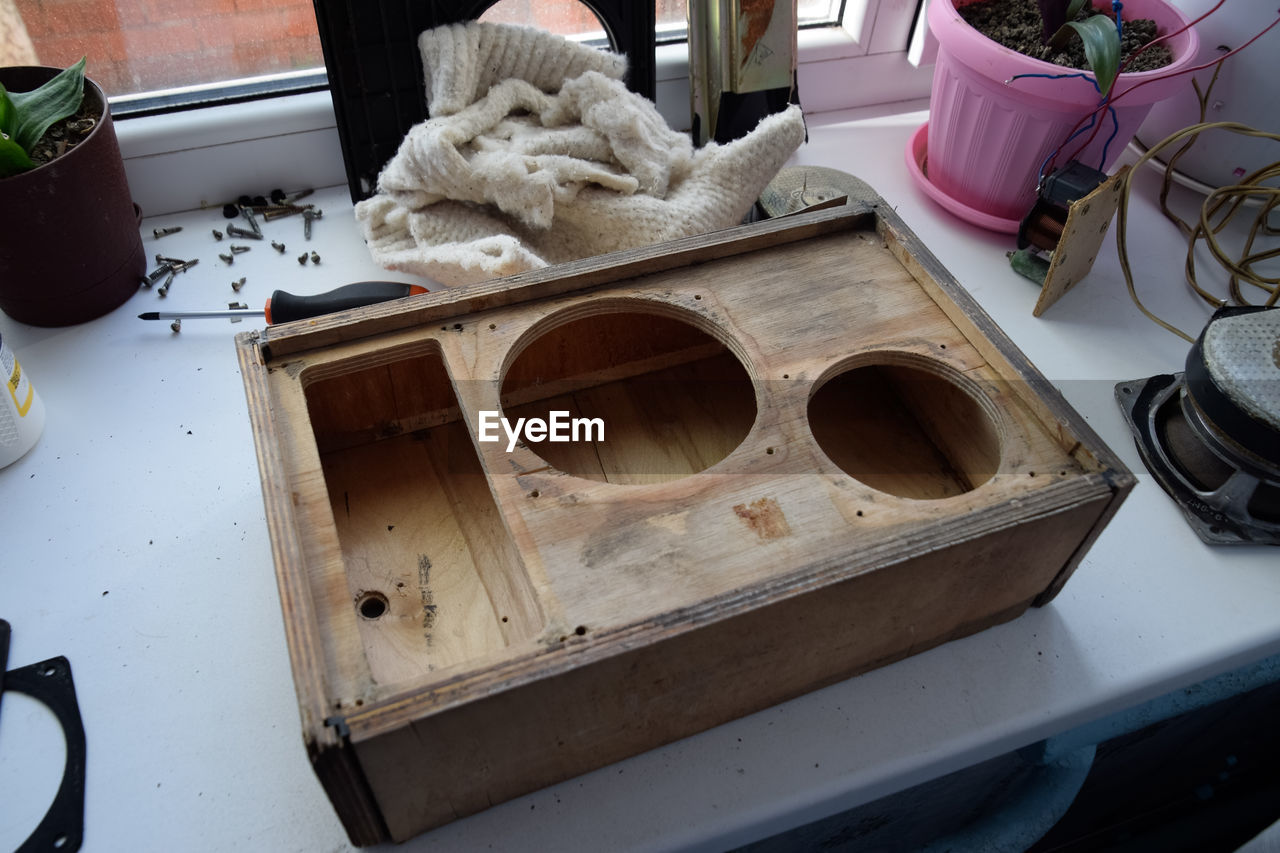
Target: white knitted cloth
536,153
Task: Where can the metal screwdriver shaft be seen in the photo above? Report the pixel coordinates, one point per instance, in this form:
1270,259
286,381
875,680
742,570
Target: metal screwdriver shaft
191,315
283,307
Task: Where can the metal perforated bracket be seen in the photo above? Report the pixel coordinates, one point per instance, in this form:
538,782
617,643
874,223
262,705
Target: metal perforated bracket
49,682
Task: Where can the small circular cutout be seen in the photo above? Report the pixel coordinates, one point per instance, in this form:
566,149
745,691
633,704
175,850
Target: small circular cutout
627,393
372,605
907,426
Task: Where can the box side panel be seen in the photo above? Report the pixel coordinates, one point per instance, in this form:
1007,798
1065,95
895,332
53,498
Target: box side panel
690,678
332,758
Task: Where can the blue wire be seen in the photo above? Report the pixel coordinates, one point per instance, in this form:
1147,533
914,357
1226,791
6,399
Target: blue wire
1115,122
1054,152
1080,74
1115,128
1116,6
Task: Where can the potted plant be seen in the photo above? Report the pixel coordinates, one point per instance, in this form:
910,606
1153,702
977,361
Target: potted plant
71,249
997,116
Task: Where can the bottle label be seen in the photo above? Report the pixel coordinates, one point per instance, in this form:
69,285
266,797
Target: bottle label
16,382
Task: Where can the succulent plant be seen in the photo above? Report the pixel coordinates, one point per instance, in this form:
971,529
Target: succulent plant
1100,34
25,116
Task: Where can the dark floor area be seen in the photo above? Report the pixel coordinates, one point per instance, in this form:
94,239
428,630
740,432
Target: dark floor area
1206,781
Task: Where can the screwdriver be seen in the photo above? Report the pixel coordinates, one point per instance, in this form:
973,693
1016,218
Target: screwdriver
283,307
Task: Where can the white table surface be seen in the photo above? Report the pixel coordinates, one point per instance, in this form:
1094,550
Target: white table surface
135,544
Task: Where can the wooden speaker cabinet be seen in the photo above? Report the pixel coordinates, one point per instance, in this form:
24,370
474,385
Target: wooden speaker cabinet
818,456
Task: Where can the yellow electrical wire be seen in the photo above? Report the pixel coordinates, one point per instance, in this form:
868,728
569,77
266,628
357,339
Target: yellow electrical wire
1223,203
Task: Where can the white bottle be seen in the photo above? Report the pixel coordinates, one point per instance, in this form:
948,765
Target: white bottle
21,409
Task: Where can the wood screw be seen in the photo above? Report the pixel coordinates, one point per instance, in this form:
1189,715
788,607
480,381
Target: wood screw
229,259
237,250
315,258
217,235
247,212
236,285
278,246
280,211
309,216
302,259
165,232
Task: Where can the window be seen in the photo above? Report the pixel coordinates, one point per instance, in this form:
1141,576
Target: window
150,56
137,46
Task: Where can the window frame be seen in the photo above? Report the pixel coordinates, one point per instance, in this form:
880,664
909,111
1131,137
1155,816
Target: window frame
178,159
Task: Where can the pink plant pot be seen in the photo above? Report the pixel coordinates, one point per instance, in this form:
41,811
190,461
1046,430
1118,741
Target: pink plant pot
990,134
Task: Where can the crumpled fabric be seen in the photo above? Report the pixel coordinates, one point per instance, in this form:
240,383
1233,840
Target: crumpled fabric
535,153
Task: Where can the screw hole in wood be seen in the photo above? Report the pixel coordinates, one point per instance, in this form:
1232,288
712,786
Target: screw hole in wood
372,605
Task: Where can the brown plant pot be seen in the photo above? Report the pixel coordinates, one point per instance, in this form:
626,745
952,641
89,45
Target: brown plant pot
71,249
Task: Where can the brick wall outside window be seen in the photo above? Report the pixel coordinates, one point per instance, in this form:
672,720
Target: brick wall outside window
144,45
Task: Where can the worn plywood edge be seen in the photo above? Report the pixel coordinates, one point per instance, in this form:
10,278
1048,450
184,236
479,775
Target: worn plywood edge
431,696
1034,391
561,279
326,743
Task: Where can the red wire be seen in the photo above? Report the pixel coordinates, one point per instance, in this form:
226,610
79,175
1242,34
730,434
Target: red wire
1110,100
1165,37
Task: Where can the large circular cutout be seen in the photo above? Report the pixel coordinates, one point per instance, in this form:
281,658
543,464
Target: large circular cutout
626,394
907,426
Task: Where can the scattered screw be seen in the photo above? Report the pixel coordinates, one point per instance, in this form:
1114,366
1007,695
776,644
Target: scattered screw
315,258
217,235
229,259
247,212
237,305
278,246
236,285
165,232
157,274
302,259
309,216
233,231
280,211
176,264
176,325
237,250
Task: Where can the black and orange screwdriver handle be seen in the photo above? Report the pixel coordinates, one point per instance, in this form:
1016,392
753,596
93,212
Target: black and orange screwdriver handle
283,307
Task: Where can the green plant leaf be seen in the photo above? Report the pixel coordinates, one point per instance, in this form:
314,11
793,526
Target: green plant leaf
8,112
54,101
12,158
1101,46
1073,9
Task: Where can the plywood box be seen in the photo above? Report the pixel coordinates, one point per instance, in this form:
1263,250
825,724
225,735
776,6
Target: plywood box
819,456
